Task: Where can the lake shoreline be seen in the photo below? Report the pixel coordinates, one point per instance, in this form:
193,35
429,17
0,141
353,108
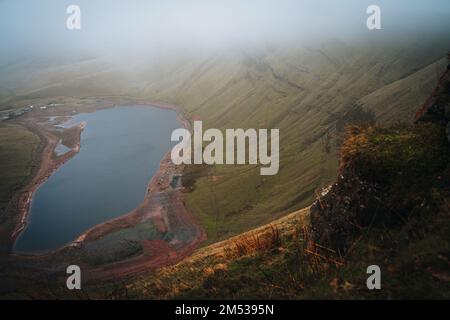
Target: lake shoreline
47,164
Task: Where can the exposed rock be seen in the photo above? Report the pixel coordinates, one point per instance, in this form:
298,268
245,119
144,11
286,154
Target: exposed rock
339,214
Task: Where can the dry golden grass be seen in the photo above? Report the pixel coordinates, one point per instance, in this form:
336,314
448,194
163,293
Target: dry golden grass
206,262
356,137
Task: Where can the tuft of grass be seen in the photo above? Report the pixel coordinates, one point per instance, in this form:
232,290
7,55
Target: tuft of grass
257,243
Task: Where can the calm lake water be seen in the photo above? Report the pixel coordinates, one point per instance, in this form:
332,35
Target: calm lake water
120,152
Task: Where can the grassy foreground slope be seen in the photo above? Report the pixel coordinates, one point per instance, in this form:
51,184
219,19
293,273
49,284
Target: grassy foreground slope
390,208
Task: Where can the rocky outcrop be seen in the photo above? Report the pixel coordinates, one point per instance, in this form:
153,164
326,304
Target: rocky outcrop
342,211
386,176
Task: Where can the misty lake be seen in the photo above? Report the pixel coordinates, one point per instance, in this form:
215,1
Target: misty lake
120,151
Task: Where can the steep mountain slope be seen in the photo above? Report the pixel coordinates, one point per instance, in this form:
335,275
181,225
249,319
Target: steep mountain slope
401,95
389,207
307,91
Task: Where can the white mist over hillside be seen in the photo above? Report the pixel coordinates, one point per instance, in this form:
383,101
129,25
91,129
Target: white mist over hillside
38,28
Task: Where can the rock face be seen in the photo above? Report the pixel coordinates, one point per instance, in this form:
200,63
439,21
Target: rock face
342,211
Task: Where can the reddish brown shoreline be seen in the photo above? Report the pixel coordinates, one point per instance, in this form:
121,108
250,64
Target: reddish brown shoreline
156,253
48,165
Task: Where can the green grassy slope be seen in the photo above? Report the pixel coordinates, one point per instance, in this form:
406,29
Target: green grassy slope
305,91
17,148
394,101
406,234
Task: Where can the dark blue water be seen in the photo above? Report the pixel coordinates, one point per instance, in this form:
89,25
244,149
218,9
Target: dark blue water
120,152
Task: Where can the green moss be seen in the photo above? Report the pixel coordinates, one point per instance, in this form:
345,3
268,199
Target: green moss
403,155
121,244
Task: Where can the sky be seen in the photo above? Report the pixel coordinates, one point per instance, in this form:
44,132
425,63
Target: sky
38,27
